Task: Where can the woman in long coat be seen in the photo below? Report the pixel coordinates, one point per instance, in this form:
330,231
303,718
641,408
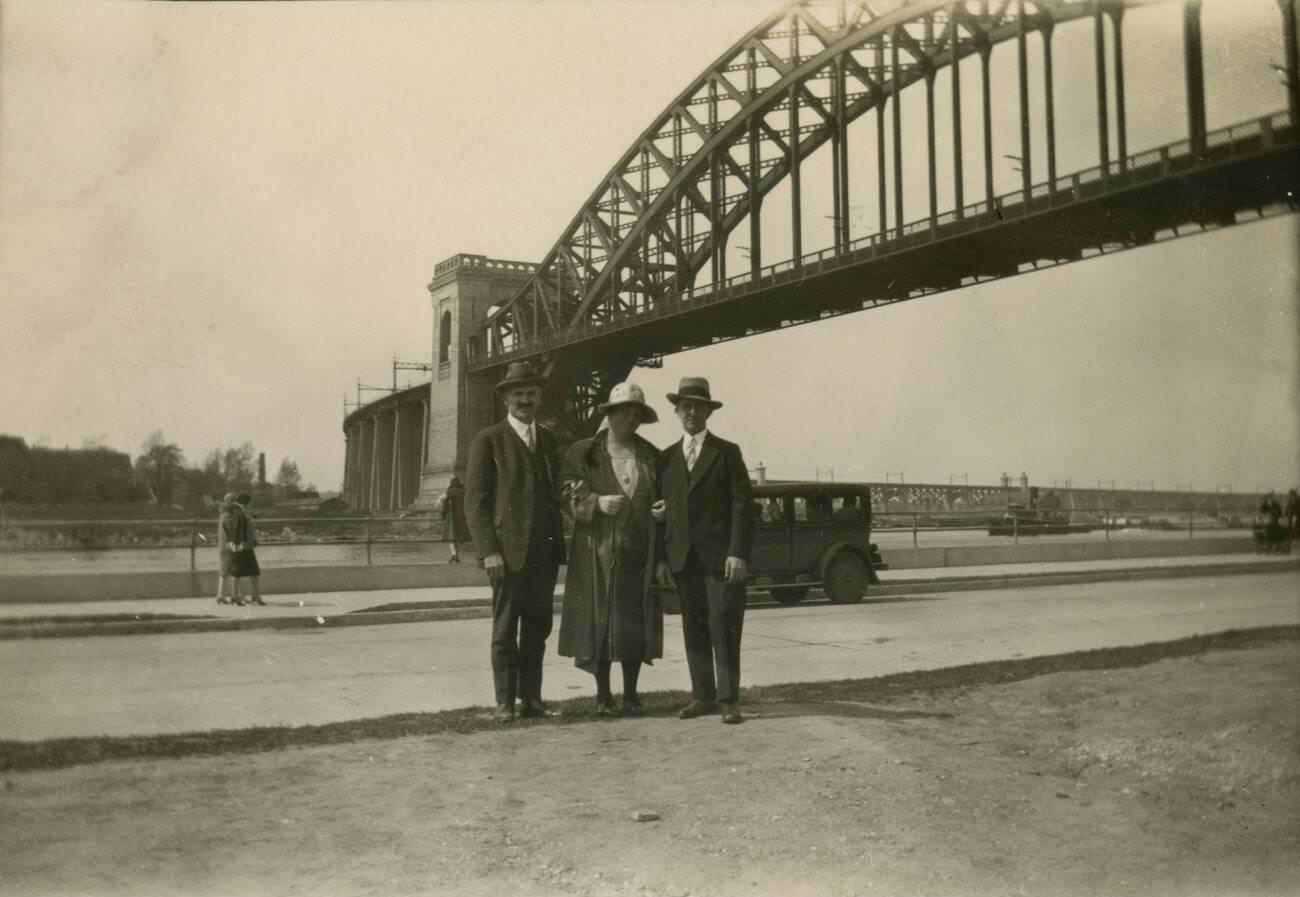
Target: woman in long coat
611,612
244,563
227,539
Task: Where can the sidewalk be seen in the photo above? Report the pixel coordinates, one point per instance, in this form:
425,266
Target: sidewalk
423,605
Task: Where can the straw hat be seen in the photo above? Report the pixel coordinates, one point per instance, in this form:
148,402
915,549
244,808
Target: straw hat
628,393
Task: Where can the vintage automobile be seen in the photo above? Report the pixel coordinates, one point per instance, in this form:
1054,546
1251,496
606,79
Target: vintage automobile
810,535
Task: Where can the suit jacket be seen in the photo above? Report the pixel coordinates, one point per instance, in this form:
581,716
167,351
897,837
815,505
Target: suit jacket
710,508
499,493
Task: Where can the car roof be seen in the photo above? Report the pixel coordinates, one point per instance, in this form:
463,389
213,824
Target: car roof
779,490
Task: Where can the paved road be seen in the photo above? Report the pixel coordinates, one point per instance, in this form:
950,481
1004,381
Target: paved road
180,683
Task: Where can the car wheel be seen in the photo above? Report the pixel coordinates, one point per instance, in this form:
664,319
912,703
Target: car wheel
789,596
846,579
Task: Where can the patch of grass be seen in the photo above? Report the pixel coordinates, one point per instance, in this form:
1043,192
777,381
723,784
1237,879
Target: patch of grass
1002,672
57,753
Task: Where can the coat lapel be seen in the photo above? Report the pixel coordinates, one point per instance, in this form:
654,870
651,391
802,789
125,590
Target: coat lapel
545,446
676,472
516,452
708,454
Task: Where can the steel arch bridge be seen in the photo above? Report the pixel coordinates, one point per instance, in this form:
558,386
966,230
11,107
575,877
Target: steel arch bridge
641,269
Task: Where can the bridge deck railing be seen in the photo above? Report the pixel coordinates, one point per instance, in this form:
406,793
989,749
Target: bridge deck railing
1111,522
1223,144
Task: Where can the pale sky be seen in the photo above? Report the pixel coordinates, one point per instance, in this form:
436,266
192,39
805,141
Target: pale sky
215,218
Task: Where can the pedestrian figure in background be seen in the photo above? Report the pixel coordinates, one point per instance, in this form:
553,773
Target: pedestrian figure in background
611,611
1291,513
773,512
227,539
244,562
512,506
454,528
708,534
1270,512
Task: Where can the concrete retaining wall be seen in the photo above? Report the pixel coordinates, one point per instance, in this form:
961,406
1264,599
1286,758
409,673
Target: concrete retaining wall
28,588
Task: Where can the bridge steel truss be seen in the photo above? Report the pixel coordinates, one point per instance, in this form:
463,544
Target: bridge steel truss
620,284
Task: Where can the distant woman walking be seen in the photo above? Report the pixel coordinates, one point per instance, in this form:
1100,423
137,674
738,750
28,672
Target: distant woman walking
227,539
243,558
454,528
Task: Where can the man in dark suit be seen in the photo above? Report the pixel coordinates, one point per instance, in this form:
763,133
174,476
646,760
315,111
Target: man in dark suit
512,508
708,531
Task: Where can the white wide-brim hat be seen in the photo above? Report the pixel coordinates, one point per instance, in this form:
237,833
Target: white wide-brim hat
628,393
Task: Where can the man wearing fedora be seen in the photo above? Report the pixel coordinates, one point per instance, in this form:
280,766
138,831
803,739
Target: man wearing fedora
512,508
708,531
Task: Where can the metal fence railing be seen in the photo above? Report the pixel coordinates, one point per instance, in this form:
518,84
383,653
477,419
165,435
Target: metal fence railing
198,535
40,546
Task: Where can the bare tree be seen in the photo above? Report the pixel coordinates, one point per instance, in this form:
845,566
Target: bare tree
288,476
238,466
159,466
230,469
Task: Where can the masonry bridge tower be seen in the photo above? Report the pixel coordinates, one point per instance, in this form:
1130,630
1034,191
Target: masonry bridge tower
464,289
402,449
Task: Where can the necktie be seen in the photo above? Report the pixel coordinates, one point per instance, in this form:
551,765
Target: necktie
531,445
691,454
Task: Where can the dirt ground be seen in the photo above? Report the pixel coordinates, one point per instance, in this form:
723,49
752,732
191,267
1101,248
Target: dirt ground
1178,777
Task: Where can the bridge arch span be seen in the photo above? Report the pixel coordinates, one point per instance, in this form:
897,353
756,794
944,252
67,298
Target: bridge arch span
660,219
665,209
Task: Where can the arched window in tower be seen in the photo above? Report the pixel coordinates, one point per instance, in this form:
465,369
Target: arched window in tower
444,339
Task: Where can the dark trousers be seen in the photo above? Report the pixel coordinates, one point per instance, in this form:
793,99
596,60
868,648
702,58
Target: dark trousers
522,614
713,614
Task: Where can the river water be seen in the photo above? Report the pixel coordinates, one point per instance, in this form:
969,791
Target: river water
137,560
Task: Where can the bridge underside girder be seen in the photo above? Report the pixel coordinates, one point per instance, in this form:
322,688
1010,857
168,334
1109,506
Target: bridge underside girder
1096,218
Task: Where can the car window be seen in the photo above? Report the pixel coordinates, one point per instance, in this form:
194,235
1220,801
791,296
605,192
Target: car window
771,510
846,508
814,507
819,507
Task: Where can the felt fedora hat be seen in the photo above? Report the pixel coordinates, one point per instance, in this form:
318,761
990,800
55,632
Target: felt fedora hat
695,388
629,394
520,373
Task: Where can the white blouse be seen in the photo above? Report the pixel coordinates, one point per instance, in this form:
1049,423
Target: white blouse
628,473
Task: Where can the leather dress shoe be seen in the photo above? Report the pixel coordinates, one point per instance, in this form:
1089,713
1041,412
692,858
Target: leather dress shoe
504,713
731,713
605,707
633,707
533,709
697,709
